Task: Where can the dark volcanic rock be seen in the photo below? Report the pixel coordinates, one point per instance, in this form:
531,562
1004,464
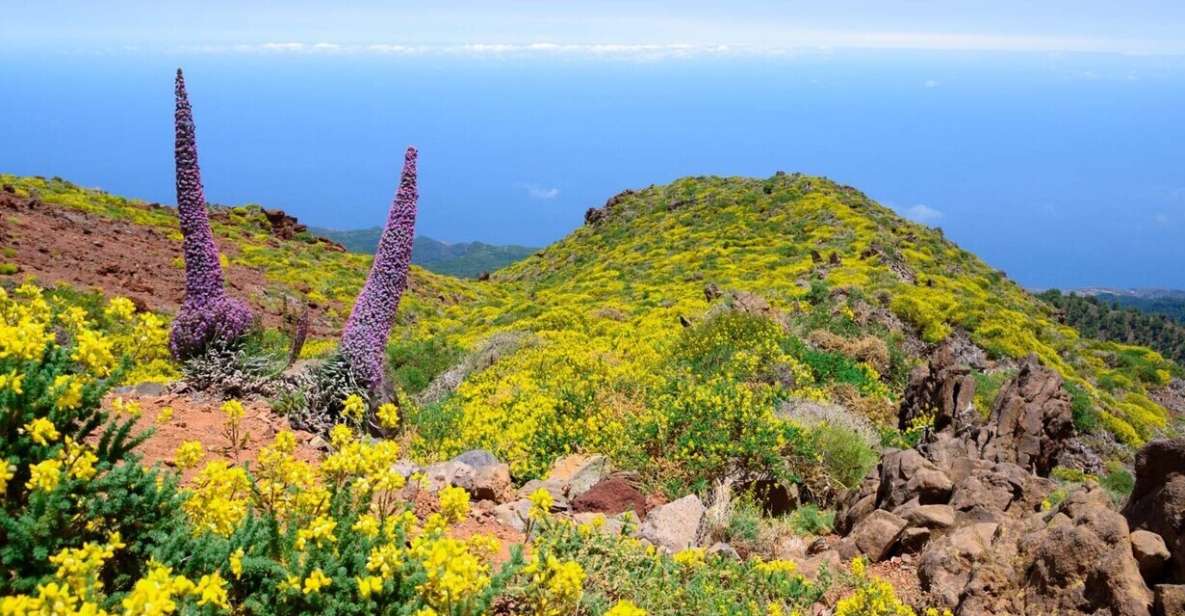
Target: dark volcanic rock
1157,503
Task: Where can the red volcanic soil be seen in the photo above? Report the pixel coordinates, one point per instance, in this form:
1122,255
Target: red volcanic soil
57,244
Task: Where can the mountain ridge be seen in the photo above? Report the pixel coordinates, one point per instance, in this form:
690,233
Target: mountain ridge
461,259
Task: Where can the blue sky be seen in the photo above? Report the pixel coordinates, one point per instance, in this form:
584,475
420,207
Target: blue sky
1047,139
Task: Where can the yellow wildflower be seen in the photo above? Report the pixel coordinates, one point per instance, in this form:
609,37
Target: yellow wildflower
45,475
120,309
354,407
367,525
6,472
625,608
69,392
690,557
454,503
340,436
13,382
388,415
369,585
315,582
211,590
233,409
319,531
541,503
126,407
165,415
188,454
42,431
94,351
79,459
236,563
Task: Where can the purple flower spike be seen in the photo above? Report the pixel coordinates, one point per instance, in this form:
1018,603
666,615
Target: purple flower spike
207,313
364,340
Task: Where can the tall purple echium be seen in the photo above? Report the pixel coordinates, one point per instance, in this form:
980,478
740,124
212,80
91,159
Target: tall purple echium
364,340
207,313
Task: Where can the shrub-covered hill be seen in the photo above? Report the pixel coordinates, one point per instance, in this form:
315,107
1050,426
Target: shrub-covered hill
675,329
629,347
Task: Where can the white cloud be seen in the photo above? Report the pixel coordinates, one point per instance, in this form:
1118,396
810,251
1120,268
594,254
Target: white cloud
923,213
543,193
1162,219
931,83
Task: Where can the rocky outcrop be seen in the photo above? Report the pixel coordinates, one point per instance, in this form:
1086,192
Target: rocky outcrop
1030,420
971,503
941,388
1157,502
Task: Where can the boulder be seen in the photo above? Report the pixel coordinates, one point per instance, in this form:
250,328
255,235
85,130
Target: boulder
1157,502
1170,600
513,514
676,525
487,482
829,560
579,472
1086,566
477,472
613,495
930,516
1151,553
876,534
559,501
946,563
906,475
723,551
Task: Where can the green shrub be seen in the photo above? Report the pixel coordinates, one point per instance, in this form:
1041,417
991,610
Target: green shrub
808,519
1085,417
844,455
1118,481
414,363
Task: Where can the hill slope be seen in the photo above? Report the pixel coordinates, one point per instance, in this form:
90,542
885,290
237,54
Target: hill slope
668,332
603,309
464,259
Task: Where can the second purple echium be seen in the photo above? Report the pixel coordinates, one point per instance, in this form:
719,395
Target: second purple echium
364,340
207,313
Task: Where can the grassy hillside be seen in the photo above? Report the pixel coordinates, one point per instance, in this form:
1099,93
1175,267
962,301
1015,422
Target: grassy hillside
669,331
464,259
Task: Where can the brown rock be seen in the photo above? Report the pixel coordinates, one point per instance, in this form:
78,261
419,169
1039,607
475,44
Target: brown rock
877,533
611,496
1157,503
931,516
906,475
1150,552
1170,600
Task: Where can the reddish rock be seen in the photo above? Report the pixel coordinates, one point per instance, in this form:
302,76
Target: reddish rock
611,496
